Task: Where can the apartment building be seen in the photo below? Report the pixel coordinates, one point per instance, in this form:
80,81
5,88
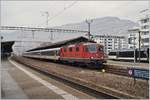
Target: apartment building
142,31
144,28
111,42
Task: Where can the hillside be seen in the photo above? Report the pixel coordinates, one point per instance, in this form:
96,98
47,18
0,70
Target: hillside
105,25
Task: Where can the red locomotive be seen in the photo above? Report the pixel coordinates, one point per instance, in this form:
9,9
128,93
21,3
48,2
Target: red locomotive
85,53
89,53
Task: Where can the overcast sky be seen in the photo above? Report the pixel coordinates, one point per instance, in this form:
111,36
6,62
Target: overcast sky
30,13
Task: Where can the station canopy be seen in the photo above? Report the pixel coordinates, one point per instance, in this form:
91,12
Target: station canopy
76,40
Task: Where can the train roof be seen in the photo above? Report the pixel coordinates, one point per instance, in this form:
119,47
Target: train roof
46,50
82,44
122,50
80,39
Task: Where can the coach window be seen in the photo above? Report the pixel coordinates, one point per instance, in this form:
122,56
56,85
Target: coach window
112,53
77,49
70,49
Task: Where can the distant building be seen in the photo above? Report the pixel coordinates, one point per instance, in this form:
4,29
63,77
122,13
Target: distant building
111,42
144,32
144,27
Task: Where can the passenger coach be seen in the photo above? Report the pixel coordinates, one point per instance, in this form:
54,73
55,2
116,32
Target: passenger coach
128,55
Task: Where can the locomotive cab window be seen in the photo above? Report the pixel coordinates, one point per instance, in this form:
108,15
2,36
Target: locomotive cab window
92,48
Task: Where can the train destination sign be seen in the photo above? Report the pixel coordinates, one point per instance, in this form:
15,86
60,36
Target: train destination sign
139,73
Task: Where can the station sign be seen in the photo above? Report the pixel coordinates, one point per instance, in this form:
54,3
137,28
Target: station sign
139,73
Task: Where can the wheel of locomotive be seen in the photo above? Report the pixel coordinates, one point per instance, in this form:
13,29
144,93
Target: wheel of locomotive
94,65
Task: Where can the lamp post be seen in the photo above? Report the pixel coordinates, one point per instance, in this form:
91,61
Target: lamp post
139,45
134,56
134,49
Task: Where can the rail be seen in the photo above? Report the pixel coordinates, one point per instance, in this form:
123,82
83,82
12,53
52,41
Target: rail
86,85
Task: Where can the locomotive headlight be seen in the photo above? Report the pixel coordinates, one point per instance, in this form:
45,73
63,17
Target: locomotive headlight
101,57
92,57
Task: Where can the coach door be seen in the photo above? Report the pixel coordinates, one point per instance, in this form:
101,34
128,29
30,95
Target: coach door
57,53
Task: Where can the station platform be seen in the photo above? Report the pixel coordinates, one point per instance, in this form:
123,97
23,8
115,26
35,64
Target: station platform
128,64
19,82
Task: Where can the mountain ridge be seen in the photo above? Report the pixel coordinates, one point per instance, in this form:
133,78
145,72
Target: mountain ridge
106,25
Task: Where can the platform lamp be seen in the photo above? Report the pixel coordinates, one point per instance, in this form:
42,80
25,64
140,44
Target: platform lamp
139,45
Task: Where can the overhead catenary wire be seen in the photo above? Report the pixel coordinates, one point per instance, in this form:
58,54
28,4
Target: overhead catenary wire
60,12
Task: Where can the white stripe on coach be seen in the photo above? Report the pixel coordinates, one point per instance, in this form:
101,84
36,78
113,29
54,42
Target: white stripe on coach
57,90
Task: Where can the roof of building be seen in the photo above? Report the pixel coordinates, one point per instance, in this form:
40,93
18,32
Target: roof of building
80,39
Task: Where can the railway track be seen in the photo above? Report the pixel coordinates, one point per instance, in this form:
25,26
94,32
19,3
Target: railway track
90,82
108,68
66,80
117,71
